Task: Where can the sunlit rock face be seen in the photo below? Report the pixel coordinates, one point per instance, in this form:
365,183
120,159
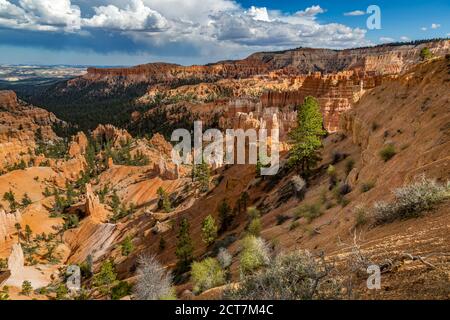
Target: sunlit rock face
19,125
7,224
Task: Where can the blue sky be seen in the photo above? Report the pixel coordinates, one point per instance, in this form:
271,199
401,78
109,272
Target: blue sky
128,32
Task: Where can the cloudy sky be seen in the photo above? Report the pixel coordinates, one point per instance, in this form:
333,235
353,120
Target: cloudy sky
128,32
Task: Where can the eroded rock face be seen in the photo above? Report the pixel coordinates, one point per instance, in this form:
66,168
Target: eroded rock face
7,224
246,114
160,143
8,99
16,261
91,239
19,125
94,237
78,145
110,133
335,94
166,170
93,208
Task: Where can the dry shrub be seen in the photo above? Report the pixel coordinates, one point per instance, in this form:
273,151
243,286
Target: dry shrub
411,200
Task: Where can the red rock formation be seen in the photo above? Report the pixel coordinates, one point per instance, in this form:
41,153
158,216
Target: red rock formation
160,144
8,99
7,224
380,60
78,145
19,123
93,208
110,133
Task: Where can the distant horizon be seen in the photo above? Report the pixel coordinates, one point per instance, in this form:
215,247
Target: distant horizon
411,42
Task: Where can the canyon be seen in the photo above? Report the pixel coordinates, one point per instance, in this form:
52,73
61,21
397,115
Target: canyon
106,185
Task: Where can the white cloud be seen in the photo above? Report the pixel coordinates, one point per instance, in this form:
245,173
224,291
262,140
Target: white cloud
43,15
404,38
208,28
135,16
355,13
424,28
260,14
386,39
310,12
435,26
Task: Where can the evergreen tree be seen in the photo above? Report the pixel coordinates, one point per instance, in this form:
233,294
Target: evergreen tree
106,277
226,216
11,198
26,201
306,138
209,230
426,54
185,249
26,288
70,193
164,200
127,246
28,233
202,174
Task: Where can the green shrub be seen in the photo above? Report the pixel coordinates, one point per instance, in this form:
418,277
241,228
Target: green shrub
331,171
26,201
127,246
3,264
106,277
26,288
281,219
349,165
4,293
293,276
361,216
294,225
61,292
367,186
209,230
309,212
254,254
411,200
254,227
122,289
207,274
425,54
71,221
388,152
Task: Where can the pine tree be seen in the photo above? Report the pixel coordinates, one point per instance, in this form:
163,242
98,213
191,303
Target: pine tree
185,249
202,174
306,138
26,288
127,246
164,200
70,193
28,233
26,201
426,54
226,216
209,230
